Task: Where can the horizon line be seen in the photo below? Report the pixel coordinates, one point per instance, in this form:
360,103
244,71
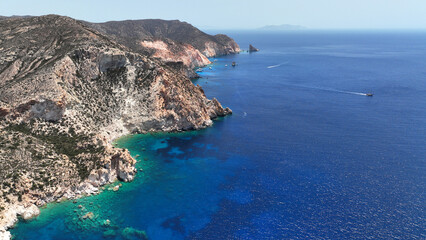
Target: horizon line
259,28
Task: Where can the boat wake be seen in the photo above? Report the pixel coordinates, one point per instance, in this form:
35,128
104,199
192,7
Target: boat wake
355,93
278,65
330,90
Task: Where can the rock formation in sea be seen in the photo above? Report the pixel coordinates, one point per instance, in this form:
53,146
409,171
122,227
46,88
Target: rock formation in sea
253,49
68,88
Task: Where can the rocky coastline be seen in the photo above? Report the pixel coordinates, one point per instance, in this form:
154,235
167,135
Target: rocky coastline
169,41
68,89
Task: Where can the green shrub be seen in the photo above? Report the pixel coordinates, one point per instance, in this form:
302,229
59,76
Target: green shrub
67,145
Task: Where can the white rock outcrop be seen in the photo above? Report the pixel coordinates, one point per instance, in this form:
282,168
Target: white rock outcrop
9,217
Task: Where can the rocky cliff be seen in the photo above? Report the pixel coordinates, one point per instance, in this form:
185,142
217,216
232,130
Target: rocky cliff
173,41
66,91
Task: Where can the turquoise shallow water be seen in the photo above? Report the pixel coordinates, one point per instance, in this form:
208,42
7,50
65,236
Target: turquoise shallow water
304,156
167,198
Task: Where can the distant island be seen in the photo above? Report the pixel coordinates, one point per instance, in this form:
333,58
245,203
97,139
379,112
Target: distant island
283,27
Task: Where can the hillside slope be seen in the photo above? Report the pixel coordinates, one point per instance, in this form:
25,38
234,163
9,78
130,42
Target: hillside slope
66,91
168,40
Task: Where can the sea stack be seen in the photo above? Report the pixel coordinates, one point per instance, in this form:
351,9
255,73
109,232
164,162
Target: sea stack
253,49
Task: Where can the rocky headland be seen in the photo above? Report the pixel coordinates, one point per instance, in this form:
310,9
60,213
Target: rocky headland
170,41
68,88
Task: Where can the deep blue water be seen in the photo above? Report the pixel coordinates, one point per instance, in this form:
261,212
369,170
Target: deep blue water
304,156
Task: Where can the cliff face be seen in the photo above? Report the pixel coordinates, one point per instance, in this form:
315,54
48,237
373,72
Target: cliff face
66,91
169,40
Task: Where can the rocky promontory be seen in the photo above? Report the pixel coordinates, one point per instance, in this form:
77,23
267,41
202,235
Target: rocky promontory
68,88
170,41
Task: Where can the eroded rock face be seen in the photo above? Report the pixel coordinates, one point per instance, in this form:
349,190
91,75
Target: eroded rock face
26,211
47,110
67,92
111,61
170,41
168,52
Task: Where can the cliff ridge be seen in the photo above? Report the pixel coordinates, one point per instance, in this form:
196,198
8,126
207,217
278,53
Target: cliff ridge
66,91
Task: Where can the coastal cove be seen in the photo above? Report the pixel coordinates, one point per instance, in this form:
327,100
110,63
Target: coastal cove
302,156
160,188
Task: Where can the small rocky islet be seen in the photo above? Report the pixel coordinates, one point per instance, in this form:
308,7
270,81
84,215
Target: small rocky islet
68,88
253,49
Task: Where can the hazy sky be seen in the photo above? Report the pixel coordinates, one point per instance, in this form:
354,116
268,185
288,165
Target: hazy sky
386,14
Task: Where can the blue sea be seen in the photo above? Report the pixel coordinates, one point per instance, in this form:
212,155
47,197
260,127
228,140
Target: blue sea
306,154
